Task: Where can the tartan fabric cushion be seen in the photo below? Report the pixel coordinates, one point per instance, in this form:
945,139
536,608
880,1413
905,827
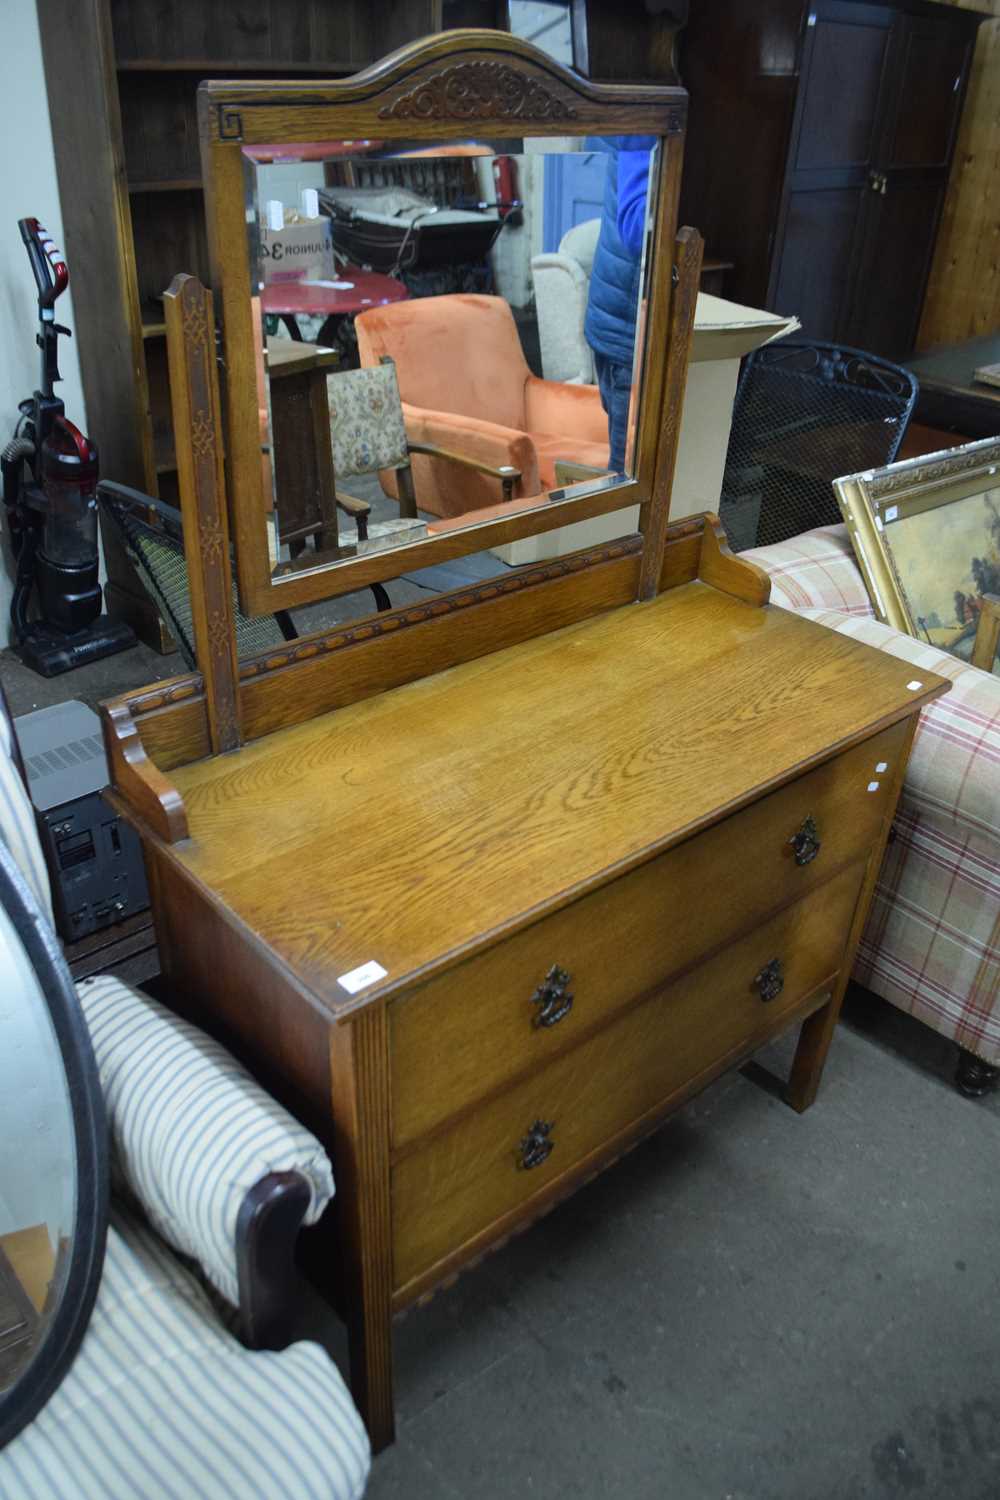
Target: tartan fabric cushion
162,1403
191,1131
931,945
816,570
932,941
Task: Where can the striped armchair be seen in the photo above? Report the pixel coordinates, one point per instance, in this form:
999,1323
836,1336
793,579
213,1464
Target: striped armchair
162,1400
932,942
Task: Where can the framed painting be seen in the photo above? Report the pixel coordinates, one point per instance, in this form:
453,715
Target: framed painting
926,533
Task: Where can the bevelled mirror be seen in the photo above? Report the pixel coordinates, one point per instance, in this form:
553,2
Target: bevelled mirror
53,1159
418,363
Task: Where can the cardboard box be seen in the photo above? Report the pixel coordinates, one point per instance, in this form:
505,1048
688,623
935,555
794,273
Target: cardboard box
723,333
299,252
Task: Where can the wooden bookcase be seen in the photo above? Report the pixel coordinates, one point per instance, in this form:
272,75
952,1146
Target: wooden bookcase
122,79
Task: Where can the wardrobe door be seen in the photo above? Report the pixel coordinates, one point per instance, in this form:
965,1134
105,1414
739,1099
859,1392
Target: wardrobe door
928,67
834,135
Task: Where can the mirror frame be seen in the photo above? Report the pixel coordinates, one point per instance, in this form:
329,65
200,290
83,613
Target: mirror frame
64,1333
434,90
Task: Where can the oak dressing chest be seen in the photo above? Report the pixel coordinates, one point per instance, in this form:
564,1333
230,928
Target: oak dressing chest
487,886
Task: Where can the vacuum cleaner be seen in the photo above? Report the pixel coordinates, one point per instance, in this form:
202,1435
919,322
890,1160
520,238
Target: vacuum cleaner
49,472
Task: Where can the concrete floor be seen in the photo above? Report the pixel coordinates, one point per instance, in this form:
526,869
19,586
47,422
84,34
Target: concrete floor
753,1305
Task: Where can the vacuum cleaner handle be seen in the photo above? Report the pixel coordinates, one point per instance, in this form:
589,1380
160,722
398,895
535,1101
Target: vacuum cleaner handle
51,271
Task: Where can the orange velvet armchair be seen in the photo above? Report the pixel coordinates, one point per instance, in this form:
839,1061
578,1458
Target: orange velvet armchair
466,387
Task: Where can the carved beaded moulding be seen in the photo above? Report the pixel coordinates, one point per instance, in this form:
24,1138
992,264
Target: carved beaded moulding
479,91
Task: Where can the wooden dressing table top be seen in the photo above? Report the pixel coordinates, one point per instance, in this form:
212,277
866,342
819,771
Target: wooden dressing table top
420,824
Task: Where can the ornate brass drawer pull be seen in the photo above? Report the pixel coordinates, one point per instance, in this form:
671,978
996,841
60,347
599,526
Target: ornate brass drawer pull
536,1146
552,997
770,981
806,842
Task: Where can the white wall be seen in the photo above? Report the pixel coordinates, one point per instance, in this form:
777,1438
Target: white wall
27,187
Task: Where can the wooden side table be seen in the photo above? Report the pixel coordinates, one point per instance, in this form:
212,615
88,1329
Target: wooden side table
949,396
303,449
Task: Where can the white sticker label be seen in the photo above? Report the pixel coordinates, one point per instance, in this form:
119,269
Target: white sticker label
873,786
360,979
883,765
892,512
913,686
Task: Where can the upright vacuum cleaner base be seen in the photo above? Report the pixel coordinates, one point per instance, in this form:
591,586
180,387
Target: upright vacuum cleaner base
49,652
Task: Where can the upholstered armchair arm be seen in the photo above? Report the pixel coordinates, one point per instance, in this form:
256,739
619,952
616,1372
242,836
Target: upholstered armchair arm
573,410
210,1157
561,286
488,446
816,570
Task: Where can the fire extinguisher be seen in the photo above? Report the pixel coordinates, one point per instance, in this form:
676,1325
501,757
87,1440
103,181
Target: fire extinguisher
508,204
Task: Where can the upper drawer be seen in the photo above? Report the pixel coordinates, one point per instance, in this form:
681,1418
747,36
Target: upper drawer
483,1022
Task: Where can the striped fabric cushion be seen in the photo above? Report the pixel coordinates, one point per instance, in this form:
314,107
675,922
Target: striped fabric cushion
161,1403
816,570
191,1130
17,823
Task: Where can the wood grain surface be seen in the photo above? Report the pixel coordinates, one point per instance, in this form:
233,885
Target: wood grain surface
963,293
419,825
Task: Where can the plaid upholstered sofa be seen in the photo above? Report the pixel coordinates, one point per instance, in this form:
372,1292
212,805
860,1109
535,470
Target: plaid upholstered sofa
162,1401
932,942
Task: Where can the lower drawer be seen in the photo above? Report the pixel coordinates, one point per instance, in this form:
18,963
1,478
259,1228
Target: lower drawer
477,1173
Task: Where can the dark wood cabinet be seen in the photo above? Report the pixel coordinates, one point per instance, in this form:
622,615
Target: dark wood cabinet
819,148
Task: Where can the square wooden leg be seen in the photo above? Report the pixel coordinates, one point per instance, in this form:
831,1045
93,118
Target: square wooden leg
810,1054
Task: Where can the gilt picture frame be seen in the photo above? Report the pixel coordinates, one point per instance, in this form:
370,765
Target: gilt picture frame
926,535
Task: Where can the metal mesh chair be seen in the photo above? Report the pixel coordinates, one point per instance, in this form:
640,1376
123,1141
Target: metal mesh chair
154,539
805,414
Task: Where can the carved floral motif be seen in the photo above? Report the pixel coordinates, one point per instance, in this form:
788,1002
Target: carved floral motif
479,91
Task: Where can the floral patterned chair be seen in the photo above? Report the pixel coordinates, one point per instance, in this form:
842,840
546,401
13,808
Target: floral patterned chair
932,942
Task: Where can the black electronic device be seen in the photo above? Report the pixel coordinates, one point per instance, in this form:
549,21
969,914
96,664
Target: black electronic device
49,471
95,864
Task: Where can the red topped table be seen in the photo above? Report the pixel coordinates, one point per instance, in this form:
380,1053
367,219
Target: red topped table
351,293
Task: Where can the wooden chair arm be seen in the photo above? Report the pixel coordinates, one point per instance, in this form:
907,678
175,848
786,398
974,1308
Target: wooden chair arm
507,474
267,1228
352,506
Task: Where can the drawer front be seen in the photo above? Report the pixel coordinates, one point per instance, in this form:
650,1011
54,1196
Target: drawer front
451,1188
487,1020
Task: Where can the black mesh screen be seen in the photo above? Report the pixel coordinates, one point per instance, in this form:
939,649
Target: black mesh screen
159,559
806,414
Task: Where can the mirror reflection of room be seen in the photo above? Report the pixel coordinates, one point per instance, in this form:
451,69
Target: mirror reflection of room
447,335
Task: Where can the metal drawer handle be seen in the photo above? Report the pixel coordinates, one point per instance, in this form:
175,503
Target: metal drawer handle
552,997
770,982
536,1146
806,842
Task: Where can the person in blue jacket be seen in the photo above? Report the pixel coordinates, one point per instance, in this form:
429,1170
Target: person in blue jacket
613,301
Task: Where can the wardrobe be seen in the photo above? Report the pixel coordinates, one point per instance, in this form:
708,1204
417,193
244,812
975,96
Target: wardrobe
819,147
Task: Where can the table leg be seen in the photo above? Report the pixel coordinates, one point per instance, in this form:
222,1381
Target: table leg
359,1071
292,326
810,1054
319,404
